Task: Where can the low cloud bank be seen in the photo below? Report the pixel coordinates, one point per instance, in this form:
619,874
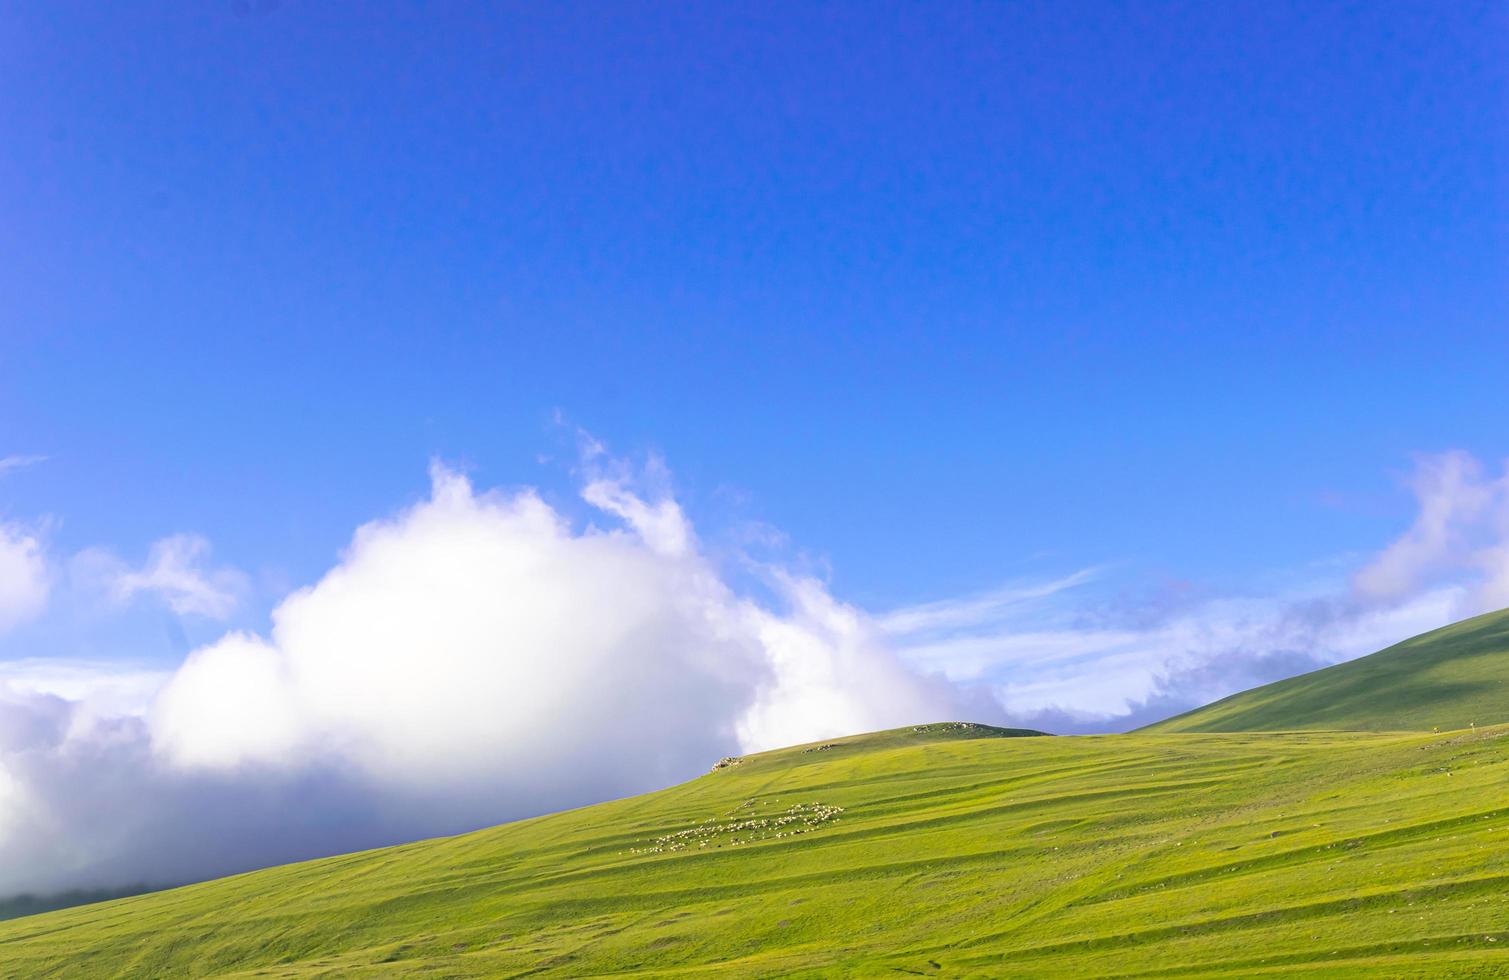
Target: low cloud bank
1066,660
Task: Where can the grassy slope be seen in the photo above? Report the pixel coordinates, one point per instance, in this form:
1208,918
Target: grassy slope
1135,855
1447,678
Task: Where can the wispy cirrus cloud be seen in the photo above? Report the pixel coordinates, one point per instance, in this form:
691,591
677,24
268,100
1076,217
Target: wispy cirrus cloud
11,463
178,572
1062,656
974,612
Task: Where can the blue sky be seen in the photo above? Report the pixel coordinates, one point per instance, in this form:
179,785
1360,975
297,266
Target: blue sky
1105,282
956,298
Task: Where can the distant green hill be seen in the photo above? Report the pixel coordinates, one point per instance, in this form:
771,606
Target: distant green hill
19,905
1448,678
937,851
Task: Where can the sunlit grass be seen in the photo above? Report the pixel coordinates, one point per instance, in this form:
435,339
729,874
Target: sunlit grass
940,855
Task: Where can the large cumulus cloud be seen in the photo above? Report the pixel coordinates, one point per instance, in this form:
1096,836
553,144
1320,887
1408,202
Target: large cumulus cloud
474,658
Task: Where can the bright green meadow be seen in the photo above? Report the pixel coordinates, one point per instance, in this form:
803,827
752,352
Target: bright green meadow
944,850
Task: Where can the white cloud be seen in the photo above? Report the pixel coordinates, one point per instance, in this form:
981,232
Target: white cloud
1072,662
24,578
10,463
176,571
1068,662
480,620
13,805
832,673
1463,522
1072,679
470,659
102,688
660,525
975,611
227,705
478,657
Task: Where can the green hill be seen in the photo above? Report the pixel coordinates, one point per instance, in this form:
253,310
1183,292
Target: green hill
937,851
1448,678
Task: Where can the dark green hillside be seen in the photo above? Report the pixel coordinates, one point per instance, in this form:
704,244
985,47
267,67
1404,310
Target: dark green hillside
1448,678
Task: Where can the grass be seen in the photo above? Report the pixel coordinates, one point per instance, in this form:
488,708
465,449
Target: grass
933,852
1448,678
